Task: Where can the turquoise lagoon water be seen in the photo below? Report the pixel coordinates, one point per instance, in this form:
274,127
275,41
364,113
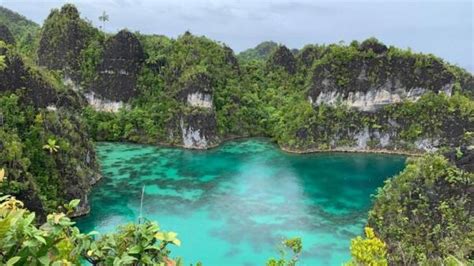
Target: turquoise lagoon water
232,205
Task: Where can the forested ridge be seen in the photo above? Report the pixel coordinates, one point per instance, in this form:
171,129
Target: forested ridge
66,84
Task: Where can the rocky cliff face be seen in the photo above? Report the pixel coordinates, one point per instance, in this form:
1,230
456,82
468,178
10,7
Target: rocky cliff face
42,112
198,130
282,57
231,59
374,76
462,157
18,77
397,128
63,37
198,124
197,91
5,35
374,98
117,73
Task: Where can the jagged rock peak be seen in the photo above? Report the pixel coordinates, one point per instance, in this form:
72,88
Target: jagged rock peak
374,45
308,54
124,46
70,11
63,37
117,73
18,76
282,57
230,58
5,35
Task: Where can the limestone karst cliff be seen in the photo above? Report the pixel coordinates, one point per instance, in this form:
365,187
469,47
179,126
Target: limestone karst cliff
16,76
64,35
33,110
194,92
118,69
371,75
283,58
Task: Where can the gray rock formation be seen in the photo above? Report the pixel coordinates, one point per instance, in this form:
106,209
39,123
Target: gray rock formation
5,35
117,73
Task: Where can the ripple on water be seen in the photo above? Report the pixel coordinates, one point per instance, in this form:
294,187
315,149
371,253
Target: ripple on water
232,205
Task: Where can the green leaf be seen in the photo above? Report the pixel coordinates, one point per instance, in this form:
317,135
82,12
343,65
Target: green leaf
177,242
45,260
13,260
160,236
125,259
29,218
168,237
134,250
93,233
40,239
30,243
74,203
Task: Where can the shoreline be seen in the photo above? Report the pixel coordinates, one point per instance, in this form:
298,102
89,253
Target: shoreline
281,147
352,150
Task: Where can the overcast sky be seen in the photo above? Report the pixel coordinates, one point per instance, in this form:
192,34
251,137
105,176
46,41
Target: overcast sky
444,28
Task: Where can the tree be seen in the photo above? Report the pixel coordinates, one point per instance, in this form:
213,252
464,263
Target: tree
104,17
51,146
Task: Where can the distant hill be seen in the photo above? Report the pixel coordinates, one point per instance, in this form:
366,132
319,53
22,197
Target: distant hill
24,30
17,23
260,52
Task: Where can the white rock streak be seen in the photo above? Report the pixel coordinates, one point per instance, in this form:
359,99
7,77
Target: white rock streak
192,137
374,98
198,99
103,105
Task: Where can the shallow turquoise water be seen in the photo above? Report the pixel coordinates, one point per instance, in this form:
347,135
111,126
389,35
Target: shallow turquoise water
234,204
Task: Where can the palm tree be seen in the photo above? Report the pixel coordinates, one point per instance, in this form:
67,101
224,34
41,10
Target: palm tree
104,17
51,146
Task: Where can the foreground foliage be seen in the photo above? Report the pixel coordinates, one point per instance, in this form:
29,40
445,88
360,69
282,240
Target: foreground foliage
59,242
368,251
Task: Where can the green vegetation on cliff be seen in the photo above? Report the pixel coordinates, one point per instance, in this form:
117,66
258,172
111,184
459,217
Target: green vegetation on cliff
33,111
270,98
63,37
425,214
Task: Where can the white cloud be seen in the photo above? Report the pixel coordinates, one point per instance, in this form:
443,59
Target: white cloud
440,27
